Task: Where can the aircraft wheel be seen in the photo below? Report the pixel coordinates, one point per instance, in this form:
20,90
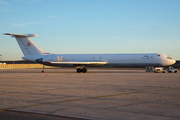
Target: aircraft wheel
84,70
78,70
42,71
175,71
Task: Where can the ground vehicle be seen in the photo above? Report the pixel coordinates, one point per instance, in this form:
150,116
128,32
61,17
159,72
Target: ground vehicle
159,69
149,69
171,69
155,70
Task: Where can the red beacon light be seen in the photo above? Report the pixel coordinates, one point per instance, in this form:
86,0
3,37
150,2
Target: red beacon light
158,55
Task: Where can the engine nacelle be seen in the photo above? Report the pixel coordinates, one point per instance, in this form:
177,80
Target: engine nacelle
52,59
49,59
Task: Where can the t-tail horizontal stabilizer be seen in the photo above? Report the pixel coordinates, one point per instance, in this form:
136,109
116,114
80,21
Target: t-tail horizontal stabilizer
27,46
22,35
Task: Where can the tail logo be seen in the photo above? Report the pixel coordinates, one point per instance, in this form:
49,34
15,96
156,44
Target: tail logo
28,44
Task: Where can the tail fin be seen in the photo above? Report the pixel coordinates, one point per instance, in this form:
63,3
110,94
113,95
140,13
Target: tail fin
27,46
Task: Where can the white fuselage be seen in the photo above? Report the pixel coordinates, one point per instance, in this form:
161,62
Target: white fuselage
111,59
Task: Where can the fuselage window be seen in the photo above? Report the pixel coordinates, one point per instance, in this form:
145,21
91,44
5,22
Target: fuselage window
169,57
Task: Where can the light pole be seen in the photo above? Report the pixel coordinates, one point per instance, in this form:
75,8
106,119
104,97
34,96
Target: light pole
0,57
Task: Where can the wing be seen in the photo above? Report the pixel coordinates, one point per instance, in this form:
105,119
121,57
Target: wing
78,63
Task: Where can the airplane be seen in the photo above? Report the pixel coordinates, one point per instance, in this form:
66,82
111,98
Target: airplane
81,61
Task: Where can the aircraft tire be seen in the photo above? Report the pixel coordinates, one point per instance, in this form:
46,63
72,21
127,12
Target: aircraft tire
78,70
42,71
84,70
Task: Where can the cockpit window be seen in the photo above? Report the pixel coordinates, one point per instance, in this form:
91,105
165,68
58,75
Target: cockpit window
169,57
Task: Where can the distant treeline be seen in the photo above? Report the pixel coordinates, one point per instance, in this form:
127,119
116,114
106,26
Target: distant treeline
19,62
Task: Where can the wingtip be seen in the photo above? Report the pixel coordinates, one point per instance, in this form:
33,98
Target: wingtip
7,34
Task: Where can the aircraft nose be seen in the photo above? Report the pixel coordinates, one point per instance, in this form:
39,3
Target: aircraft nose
174,61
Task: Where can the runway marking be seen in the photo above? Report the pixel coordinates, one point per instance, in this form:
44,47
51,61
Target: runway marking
88,98
123,105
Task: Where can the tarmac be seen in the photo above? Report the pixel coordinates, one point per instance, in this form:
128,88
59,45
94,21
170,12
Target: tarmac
101,93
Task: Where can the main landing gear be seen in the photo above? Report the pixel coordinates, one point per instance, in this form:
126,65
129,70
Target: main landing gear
81,69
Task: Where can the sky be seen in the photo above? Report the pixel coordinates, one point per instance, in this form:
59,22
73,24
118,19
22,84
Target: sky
92,26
